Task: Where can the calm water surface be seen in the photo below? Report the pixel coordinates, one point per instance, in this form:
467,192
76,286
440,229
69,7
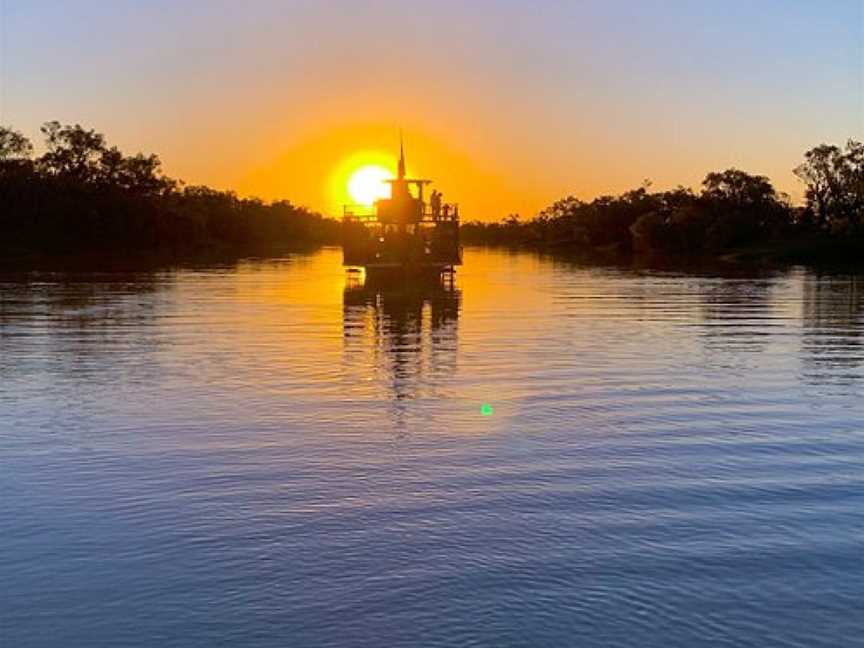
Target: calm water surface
270,454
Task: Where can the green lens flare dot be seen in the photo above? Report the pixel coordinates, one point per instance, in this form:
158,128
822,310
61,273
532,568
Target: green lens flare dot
486,409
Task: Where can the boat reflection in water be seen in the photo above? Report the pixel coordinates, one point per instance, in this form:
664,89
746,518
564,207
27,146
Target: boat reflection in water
400,334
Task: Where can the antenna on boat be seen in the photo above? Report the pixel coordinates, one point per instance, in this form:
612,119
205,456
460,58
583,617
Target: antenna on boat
401,157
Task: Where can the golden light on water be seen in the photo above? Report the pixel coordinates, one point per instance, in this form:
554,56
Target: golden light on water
369,183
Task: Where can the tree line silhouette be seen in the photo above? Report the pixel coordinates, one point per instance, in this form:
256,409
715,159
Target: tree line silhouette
734,211
84,196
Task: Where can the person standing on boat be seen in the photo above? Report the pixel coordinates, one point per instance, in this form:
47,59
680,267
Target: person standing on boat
435,202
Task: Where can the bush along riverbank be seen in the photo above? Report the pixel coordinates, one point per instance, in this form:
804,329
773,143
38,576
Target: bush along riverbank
735,215
85,199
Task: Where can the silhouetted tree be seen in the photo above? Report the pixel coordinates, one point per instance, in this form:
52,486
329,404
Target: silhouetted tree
73,152
13,145
738,189
835,185
745,209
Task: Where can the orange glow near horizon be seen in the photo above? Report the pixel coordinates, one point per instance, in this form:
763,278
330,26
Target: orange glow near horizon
506,107
315,168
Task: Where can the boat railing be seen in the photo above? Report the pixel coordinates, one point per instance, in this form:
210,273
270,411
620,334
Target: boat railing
359,213
365,214
449,213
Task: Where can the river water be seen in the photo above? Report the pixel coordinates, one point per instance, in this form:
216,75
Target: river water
273,454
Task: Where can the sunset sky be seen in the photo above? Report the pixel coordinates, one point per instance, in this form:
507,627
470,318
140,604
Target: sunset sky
506,105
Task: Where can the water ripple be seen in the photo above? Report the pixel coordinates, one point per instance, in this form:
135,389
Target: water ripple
273,454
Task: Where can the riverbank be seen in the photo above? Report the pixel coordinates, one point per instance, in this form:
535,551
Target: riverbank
147,260
809,252
813,252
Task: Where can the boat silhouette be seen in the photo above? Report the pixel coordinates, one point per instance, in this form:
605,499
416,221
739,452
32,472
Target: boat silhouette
403,234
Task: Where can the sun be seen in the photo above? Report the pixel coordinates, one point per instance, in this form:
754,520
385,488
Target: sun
369,183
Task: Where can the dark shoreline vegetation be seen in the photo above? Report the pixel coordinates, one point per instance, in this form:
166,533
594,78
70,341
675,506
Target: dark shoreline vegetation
735,217
85,202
